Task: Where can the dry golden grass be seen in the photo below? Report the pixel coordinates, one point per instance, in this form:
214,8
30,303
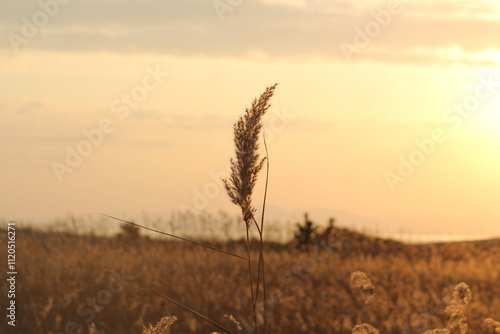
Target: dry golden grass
309,292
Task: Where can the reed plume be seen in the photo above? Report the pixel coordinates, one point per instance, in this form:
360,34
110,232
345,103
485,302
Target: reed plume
365,329
457,308
245,168
247,164
493,324
161,327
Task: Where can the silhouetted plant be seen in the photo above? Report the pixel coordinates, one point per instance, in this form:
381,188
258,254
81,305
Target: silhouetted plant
129,233
323,238
305,234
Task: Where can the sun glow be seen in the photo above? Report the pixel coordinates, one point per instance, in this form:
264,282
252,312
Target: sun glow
488,118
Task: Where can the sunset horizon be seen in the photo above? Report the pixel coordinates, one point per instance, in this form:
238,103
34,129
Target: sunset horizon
250,167
114,113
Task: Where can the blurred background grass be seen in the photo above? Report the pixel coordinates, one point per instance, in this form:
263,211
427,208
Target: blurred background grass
67,271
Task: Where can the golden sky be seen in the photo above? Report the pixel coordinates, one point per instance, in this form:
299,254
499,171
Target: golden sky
387,114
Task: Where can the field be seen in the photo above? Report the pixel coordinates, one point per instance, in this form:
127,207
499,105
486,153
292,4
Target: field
68,281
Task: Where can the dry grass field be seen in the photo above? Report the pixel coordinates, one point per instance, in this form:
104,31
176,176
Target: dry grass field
68,281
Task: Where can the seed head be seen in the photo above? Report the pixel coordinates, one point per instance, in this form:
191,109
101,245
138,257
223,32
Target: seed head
247,164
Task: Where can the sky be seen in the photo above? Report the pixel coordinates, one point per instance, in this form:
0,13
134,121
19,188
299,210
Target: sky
386,116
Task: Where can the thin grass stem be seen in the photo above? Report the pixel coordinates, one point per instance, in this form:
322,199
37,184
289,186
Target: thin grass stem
175,237
189,309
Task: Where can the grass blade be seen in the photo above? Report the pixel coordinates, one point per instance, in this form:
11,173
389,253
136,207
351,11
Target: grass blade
187,308
175,236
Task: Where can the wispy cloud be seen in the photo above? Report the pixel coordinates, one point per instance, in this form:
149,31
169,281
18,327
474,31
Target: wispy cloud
428,31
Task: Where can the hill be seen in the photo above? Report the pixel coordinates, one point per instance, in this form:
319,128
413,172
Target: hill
67,281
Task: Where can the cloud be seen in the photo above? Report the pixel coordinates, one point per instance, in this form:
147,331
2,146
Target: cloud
423,32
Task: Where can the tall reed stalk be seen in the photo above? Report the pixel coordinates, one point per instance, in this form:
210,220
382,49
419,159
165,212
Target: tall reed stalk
245,168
